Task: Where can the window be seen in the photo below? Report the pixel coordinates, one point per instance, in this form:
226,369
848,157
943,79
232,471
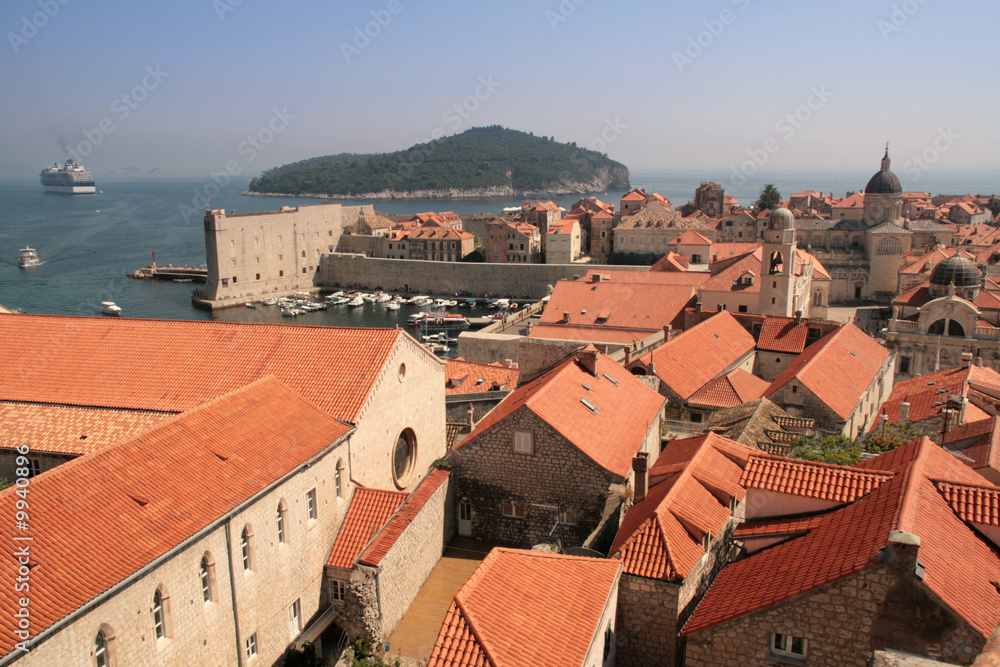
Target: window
280,257
282,533
161,610
338,591
404,457
742,309
256,241
246,549
523,443
251,645
787,646
904,365
339,479
311,504
232,262
103,652
303,253
513,509
465,511
256,260
281,273
258,276
232,242
295,618
279,238
609,638
207,568
35,467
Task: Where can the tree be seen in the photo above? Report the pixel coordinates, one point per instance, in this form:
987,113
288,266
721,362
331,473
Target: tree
841,450
769,198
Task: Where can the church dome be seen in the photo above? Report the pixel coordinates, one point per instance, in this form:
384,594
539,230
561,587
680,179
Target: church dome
884,182
781,218
958,271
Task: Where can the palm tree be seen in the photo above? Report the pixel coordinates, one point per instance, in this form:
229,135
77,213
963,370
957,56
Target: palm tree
769,198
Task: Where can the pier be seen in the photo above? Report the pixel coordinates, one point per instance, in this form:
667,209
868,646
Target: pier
196,274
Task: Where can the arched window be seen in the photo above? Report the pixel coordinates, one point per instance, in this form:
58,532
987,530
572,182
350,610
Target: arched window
339,478
207,569
404,457
161,614
246,549
889,246
282,531
817,298
938,328
840,274
776,262
104,650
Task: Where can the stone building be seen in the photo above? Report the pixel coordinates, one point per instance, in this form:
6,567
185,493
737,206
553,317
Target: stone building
512,242
439,244
648,232
886,556
541,465
760,424
256,255
529,607
472,389
563,245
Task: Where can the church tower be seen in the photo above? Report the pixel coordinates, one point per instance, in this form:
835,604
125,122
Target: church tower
777,287
883,195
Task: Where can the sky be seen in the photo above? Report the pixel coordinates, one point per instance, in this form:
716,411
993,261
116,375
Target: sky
190,86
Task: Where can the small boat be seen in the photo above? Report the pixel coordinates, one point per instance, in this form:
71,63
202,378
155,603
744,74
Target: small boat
416,317
270,302
28,258
392,305
335,295
338,301
470,303
313,307
110,308
383,298
415,299
502,304
251,305
439,321
291,312
356,301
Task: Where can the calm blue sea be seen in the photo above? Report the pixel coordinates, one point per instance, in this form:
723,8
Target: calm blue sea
90,243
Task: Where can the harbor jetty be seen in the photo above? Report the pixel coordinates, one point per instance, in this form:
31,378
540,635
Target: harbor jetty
195,274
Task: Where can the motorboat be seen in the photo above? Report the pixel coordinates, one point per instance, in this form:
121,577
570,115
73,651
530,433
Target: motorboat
416,317
415,299
270,302
28,258
356,301
383,298
338,300
392,305
444,321
110,308
444,303
335,295
251,305
292,312
502,304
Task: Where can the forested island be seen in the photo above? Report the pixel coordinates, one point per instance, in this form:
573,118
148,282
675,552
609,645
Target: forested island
481,162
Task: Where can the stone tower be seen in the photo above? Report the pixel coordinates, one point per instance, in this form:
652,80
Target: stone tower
777,287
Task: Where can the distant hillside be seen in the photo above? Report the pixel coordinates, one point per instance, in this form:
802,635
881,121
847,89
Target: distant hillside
480,162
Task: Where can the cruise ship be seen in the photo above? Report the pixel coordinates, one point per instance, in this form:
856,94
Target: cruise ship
70,179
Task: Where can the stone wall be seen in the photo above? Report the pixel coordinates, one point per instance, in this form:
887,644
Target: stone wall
522,281
647,621
485,348
9,467
358,243
457,405
409,562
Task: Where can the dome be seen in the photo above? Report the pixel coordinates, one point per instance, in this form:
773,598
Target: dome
884,182
958,271
781,218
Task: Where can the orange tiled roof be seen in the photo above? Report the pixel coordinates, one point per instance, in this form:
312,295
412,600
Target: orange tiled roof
783,334
837,368
661,536
174,365
960,566
690,237
626,408
369,511
687,363
140,494
594,333
67,430
521,605
975,504
810,479
981,448
466,377
928,394
404,516
727,391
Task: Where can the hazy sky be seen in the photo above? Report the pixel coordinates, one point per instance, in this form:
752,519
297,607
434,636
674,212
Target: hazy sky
188,86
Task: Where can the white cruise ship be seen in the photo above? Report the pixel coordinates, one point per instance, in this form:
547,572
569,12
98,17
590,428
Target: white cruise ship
70,179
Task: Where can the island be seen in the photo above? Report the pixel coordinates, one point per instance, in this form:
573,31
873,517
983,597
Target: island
481,162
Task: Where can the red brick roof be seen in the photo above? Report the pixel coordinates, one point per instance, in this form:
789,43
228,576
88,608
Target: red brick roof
102,517
466,377
928,394
690,487
173,366
696,356
520,606
626,409
960,566
369,511
404,516
783,334
727,391
975,504
690,237
837,368
810,479
66,430
981,446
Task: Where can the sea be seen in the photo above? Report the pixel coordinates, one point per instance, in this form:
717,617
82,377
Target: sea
89,244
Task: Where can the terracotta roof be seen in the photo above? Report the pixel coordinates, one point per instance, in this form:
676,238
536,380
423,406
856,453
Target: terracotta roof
691,484
174,365
960,566
689,361
837,368
369,511
466,377
976,443
66,430
975,504
521,605
594,333
625,409
690,237
139,493
643,304
734,388
404,516
928,394
810,479
783,334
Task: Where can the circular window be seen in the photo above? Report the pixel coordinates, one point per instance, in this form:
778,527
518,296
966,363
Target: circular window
402,372
403,457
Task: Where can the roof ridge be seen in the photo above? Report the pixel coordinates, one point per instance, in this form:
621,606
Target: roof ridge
471,623
985,487
905,515
822,464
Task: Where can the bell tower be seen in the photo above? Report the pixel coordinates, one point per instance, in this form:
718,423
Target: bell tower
777,286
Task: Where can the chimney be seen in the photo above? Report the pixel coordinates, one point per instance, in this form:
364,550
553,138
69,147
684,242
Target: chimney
979,361
565,316
798,317
640,464
966,359
595,278
507,363
588,359
904,412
